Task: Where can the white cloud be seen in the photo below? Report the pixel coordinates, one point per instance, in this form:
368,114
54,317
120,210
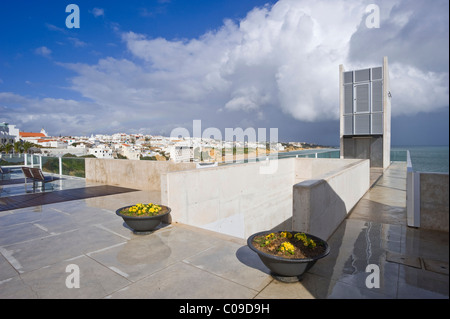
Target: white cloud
278,59
77,42
415,91
284,56
58,115
97,12
55,28
43,51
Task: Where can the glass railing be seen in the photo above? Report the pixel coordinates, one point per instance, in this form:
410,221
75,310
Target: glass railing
56,165
11,159
50,164
72,166
398,155
310,153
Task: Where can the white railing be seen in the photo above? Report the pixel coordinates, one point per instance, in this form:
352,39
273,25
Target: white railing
412,194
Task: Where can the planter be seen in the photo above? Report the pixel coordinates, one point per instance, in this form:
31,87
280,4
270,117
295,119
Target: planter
143,223
285,267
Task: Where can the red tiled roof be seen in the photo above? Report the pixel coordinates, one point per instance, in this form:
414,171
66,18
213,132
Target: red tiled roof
26,134
42,140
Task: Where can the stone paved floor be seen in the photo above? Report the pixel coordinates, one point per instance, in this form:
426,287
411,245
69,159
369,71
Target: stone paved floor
38,243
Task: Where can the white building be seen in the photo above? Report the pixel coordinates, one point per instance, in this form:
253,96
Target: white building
181,153
33,137
132,152
51,143
101,151
8,133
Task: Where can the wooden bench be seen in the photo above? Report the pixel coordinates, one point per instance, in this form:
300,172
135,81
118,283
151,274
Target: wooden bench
36,175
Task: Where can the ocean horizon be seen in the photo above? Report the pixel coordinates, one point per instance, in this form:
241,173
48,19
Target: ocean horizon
423,158
427,158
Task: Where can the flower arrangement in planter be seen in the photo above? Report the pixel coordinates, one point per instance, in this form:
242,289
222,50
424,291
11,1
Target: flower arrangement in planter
143,217
288,245
288,253
142,210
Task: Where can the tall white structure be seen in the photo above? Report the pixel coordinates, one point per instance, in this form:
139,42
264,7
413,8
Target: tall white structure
8,133
365,114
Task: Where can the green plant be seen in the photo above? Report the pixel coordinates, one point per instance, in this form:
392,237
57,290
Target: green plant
285,243
308,242
142,210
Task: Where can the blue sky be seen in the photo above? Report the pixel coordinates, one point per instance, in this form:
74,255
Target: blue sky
150,66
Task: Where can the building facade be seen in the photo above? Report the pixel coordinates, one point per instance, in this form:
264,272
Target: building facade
8,133
365,114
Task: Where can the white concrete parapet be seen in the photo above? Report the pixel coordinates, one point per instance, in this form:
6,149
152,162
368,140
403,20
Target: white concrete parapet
143,175
324,201
234,199
238,200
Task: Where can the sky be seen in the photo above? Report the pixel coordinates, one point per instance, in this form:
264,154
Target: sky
151,66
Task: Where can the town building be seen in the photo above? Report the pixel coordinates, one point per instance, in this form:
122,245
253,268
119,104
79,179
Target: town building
8,133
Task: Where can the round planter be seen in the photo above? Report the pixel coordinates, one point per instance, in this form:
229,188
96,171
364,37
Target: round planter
287,267
143,223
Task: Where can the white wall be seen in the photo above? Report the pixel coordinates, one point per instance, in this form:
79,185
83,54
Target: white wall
237,200
143,175
323,202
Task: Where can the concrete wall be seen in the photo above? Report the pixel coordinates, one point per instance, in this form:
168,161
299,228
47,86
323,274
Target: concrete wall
308,168
320,204
143,175
238,200
434,206
370,147
235,199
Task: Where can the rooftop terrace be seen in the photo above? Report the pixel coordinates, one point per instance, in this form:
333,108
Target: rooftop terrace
42,233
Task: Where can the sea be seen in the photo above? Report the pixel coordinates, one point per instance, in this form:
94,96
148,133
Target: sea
423,158
426,158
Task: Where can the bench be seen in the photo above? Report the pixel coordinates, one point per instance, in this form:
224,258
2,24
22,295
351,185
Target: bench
36,175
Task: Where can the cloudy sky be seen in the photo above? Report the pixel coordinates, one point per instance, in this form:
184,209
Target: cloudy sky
150,66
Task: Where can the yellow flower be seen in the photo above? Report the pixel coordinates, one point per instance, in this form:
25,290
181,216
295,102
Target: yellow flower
308,242
287,247
270,236
286,234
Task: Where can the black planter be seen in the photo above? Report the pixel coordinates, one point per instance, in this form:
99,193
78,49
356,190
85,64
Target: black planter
287,267
143,223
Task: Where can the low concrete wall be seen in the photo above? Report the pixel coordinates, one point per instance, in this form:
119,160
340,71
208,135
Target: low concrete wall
143,175
320,204
434,206
235,199
238,200
308,168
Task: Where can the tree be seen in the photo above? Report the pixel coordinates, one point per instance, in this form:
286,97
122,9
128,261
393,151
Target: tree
26,146
69,155
18,147
8,148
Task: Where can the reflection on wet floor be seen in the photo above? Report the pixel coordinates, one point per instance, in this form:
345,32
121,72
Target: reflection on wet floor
16,193
15,184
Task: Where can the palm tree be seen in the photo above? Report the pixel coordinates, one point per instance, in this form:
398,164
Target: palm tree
8,148
17,147
26,146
